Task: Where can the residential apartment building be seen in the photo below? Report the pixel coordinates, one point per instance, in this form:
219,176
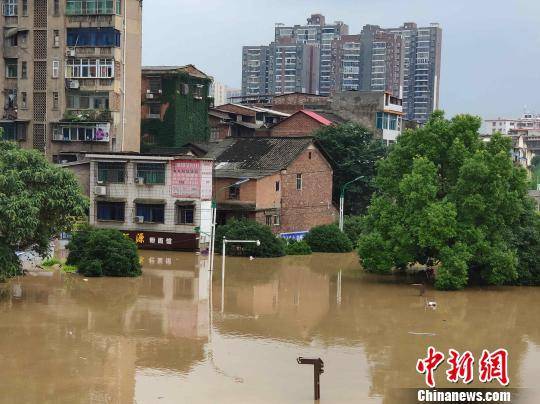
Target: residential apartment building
218,91
527,126
160,201
174,104
70,75
257,69
421,69
502,125
346,58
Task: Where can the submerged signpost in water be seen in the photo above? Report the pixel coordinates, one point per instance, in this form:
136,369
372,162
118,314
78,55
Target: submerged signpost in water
318,368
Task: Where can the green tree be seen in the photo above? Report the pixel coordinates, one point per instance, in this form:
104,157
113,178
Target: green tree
353,227
298,248
354,153
328,238
103,252
244,229
448,199
37,201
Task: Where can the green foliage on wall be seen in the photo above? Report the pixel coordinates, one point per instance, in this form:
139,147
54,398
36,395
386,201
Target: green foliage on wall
186,117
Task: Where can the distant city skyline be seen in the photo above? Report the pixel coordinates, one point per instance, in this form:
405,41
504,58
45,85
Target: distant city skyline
489,65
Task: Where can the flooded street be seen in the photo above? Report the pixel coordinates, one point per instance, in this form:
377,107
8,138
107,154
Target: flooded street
168,337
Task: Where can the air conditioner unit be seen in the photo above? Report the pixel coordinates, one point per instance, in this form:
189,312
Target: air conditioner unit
139,219
149,96
73,84
148,91
100,190
70,53
139,181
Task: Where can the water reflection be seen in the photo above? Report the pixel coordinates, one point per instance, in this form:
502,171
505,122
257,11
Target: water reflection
154,339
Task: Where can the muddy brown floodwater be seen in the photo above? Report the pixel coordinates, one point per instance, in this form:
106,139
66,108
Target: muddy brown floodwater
167,338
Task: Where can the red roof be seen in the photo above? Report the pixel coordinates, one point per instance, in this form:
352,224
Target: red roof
317,117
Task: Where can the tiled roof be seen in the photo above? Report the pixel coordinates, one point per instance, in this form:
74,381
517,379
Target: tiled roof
317,117
255,157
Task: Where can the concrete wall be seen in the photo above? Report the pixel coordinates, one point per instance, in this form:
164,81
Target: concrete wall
82,172
359,106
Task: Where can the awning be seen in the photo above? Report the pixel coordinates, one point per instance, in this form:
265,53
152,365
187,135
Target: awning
8,33
145,201
109,199
184,203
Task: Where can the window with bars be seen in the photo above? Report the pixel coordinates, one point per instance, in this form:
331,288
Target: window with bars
55,69
185,213
151,213
152,173
9,8
24,70
110,211
81,100
89,68
11,68
299,182
55,100
114,173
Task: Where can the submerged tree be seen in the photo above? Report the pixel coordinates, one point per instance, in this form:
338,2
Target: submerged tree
37,201
354,153
447,198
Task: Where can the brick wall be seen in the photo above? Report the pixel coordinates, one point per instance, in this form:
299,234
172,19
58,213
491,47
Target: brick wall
312,205
296,125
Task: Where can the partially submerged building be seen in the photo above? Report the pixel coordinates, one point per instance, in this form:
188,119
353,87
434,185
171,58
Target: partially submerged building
161,201
286,182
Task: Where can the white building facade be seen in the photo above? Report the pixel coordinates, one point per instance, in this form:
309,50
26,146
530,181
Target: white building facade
161,202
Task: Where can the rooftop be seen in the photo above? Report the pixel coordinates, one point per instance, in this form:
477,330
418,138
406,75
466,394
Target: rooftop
189,69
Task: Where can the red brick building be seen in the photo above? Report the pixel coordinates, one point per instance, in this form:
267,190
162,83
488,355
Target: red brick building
301,123
288,187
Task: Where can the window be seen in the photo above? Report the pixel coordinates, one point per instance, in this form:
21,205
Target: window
276,220
56,38
97,37
82,100
119,7
309,155
56,7
151,213
185,214
277,186
379,124
112,173
9,8
25,8
24,103
234,192
11,68
154,84
56,101
198,92
89,7
268,220
151,173
113,211
82,133
298,182
89,68
55,69
24,70
154,111
12,40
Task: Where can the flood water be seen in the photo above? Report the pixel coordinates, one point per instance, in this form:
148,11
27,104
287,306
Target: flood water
167,337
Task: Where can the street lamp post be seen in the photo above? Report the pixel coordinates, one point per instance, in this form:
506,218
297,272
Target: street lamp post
225,241
342,200
214,219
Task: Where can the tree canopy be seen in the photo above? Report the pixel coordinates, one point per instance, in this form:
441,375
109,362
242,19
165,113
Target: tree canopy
446,198
38,200
244,229
354,152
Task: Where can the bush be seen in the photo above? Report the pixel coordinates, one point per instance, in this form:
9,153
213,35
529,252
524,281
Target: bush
328,238
115,253
69,269
298,248
50,262
243,229
10,265
352,227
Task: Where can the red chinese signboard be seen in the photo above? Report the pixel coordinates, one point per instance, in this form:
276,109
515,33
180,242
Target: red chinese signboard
191,179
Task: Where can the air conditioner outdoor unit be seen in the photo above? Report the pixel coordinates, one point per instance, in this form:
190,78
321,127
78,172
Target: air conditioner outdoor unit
70,53
139,219
139,181
73,84
100,190
149,96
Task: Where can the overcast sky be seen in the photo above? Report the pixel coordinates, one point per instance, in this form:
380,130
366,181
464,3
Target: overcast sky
490,56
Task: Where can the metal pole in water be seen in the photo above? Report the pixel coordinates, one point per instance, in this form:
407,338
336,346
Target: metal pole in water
223,276
318,369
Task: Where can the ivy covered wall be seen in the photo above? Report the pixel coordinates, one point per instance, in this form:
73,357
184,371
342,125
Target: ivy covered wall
186,117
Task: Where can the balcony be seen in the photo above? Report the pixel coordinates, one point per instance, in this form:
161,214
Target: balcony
87,115
81,132
90,7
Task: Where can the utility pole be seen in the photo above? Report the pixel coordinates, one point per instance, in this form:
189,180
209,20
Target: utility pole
342,200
